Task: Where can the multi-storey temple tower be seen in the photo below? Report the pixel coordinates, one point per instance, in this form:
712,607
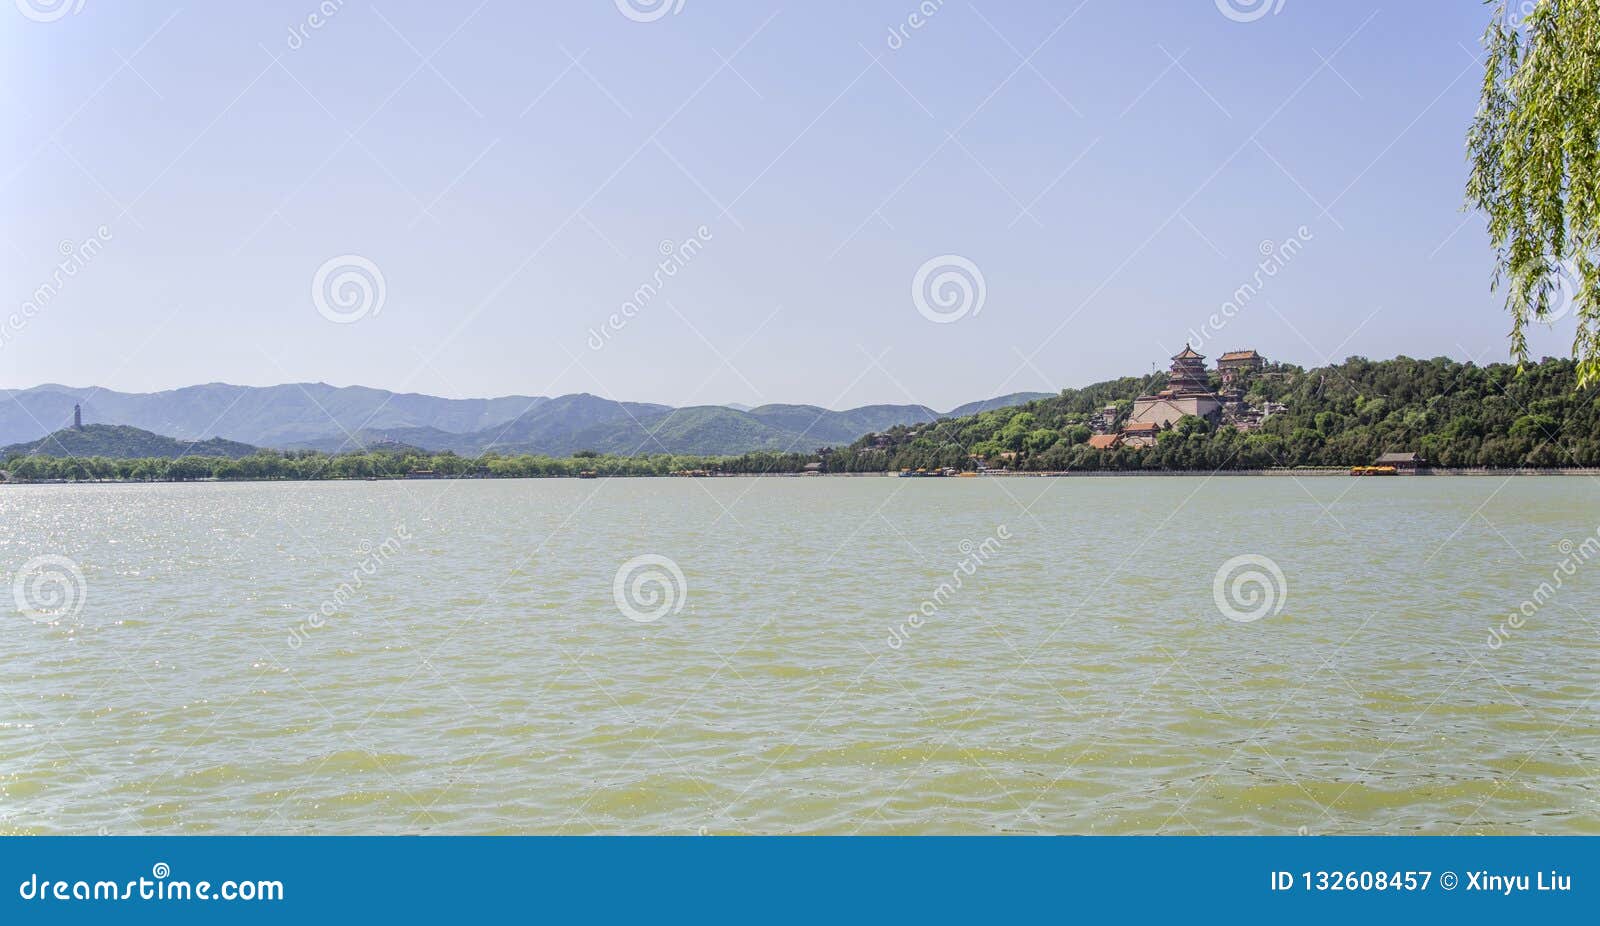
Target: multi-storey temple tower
1188,374
1188,392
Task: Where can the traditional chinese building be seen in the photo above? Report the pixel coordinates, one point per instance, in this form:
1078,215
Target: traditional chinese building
1140,435
1105,422
1403,462
1234,364
1188,392
1188,372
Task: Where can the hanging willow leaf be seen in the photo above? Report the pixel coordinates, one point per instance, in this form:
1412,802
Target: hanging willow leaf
1534,149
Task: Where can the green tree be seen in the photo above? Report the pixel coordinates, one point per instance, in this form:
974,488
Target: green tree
1041,439
1534,149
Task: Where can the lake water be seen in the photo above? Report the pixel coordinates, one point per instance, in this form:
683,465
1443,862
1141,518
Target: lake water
457,657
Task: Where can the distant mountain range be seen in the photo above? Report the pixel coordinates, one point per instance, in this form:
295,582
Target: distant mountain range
267,416
318,416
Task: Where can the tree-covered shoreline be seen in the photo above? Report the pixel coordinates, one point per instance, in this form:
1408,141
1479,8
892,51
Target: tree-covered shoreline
310,466
1457,415
1454,414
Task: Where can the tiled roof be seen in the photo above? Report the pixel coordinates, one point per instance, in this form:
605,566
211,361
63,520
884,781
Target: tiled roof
1239,355
1188,354
1104,441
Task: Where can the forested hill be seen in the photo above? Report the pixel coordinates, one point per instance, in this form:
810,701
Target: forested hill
122,442
1455,414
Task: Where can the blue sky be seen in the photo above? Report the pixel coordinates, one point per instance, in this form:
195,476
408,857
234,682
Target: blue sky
514,171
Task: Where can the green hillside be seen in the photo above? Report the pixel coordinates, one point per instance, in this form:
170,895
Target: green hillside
568,424
1015,398
123,442
822,426
703,430
565,425
1348,414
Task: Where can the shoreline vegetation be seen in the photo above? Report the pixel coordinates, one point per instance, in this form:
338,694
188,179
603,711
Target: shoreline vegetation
1285,472
1459,418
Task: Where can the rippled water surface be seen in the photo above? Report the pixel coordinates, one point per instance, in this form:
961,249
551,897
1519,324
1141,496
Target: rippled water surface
475,673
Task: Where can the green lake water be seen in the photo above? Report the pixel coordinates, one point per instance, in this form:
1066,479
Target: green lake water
463,657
